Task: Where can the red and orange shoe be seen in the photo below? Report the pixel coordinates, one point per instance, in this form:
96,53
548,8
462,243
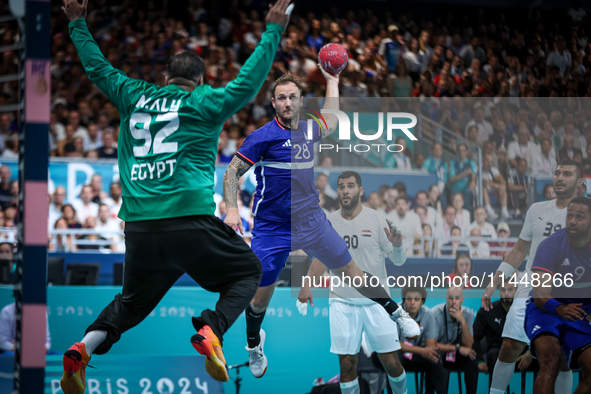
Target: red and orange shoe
208,344
75,361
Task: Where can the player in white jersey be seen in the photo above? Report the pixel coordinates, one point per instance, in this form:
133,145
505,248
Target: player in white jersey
370,239
542,220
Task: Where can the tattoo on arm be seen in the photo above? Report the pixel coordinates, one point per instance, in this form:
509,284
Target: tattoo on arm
235,170
326,133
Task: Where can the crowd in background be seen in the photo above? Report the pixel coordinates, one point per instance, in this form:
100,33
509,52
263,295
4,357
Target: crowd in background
475,72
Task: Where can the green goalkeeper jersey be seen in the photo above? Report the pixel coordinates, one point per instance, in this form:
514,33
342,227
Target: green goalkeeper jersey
168,137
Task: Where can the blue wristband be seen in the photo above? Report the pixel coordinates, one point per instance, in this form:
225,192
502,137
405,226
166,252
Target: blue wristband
551,305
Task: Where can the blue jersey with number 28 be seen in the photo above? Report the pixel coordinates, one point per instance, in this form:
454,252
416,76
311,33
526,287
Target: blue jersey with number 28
284,168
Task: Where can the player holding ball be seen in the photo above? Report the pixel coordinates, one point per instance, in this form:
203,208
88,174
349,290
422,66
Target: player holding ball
286,203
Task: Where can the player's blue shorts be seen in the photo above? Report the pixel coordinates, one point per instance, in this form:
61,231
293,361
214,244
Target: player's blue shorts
574,336
314,234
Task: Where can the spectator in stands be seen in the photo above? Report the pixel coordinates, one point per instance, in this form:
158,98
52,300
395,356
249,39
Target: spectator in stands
400,83
106,225
401,188
390,197
55,208
487,230
523,148
431,216
8,329
436,166
478,249
74,121
560,57
327,162
500,137
95,138
455,338
91,239
503,232
421,354
5,197
435,199
321,185
407,222
474,140
373,201
415,59
71,151
544,163
455,246
114,201
485,129
549,193
14,191
10,218
443,231
489,324
96,183
568,151
462,175
399,159
494,188
108,150
11,150
517,186
463,218
62,243
69,214
84,206
462,269
428,246
392,47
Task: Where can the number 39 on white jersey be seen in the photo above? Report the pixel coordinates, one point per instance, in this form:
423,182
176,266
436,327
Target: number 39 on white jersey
542,220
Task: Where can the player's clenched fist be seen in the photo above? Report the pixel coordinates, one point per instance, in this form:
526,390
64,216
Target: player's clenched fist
75,10
277,13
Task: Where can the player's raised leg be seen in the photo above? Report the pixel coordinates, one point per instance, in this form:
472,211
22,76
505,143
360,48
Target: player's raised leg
145,283
410,329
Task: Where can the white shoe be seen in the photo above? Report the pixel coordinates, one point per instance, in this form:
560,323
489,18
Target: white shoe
257,360
410,329
492,215
505,215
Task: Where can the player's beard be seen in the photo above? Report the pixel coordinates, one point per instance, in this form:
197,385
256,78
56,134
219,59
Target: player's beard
352,204
507,302
568,191
290,120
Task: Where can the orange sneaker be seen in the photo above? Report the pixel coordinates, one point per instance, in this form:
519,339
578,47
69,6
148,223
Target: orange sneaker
75,361
208,344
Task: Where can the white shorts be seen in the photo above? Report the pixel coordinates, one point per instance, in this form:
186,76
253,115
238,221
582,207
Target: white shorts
348,322
514,325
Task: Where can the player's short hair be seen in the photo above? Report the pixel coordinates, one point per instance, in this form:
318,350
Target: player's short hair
458,257
287,78
401,198
453,228
570,162
448,207
420,290
186,65
422,192
349,174
400,186
581,200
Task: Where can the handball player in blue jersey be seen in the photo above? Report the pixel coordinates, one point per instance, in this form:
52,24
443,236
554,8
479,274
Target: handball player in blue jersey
287,214
555,319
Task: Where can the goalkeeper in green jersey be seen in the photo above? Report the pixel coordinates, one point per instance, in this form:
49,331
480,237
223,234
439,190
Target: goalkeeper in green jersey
167,152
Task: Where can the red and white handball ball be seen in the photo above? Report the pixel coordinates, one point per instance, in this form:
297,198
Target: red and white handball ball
333,58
